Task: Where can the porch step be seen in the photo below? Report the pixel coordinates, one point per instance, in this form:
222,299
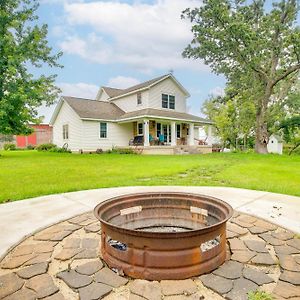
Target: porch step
185,150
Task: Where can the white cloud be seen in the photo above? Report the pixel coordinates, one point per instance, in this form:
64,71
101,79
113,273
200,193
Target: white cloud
142,36
81,90
217,91
122,82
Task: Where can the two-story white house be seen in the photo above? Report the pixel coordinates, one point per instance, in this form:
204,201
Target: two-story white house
151,115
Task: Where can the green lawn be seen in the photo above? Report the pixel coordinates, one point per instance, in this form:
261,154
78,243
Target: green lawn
26,174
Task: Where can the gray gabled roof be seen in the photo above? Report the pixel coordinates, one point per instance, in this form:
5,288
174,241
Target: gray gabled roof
142,85
168,114
114,93
108,111
94,109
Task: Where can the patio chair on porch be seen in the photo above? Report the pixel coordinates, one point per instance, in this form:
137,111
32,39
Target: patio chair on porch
151,140
161,139
137,141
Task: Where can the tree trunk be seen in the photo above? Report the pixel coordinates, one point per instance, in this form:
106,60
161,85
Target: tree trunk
261,134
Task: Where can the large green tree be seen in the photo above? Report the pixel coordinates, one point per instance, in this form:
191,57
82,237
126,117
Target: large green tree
234,117
23,46
255,48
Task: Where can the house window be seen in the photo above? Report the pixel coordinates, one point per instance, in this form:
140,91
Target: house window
66,132
168,101
103,130
178,131
139,98
140,128
158,129
171,102
165,100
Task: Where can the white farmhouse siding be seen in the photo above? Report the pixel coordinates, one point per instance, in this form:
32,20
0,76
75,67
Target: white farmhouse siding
167,86
129,103
67,116
118,135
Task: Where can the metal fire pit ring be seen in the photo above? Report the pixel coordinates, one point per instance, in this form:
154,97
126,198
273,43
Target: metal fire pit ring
159,236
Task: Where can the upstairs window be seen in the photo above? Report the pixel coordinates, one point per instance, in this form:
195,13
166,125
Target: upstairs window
171,102
168,101
66,132
139,98
165,100
103,130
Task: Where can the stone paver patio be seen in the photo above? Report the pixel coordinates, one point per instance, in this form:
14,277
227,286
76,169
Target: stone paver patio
63,262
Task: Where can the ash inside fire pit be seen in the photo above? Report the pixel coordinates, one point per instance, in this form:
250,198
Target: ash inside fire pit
164,228
163,235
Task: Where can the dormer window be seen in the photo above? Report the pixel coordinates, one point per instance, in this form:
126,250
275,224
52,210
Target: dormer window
168,101
139,98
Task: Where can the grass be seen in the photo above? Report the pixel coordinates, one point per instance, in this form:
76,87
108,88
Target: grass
26,174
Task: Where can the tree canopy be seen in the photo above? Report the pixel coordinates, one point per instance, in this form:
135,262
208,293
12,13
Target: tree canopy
258,50
23,46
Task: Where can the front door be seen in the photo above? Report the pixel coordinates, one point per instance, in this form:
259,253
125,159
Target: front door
166,131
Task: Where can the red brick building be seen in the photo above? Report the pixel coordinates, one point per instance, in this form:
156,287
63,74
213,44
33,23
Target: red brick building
42,134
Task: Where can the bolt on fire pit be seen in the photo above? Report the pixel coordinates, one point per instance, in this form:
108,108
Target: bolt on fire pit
159,236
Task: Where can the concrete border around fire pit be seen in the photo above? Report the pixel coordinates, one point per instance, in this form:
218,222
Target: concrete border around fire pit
20,219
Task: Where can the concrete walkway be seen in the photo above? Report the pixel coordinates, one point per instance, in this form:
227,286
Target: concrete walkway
22,218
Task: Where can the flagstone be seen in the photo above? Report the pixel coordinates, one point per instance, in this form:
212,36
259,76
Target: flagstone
241,288
218,284
43,285
256,246
178,287
258,277
283,235
9,284
89,268
33,270
290,277
294,243
74,279
263,259
150,290
94,291
271,240
230,270
109,277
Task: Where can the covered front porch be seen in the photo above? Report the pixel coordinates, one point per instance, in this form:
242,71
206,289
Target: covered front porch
158,132
165,136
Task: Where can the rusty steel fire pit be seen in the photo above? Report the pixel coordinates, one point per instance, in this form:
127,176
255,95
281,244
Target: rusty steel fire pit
159,236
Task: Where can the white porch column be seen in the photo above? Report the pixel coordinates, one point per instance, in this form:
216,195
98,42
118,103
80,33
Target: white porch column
146,133
209,135
191,141
173,134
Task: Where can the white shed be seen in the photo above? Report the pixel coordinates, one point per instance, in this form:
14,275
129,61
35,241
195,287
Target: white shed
275,144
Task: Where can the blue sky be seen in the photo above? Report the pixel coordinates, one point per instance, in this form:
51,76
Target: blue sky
120,43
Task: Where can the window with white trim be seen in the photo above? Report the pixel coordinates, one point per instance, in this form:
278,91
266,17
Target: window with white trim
158,129
167,101
103,130
178,131
139,98
140,128
66,132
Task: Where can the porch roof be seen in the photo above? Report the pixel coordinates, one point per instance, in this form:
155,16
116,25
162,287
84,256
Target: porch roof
162,114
